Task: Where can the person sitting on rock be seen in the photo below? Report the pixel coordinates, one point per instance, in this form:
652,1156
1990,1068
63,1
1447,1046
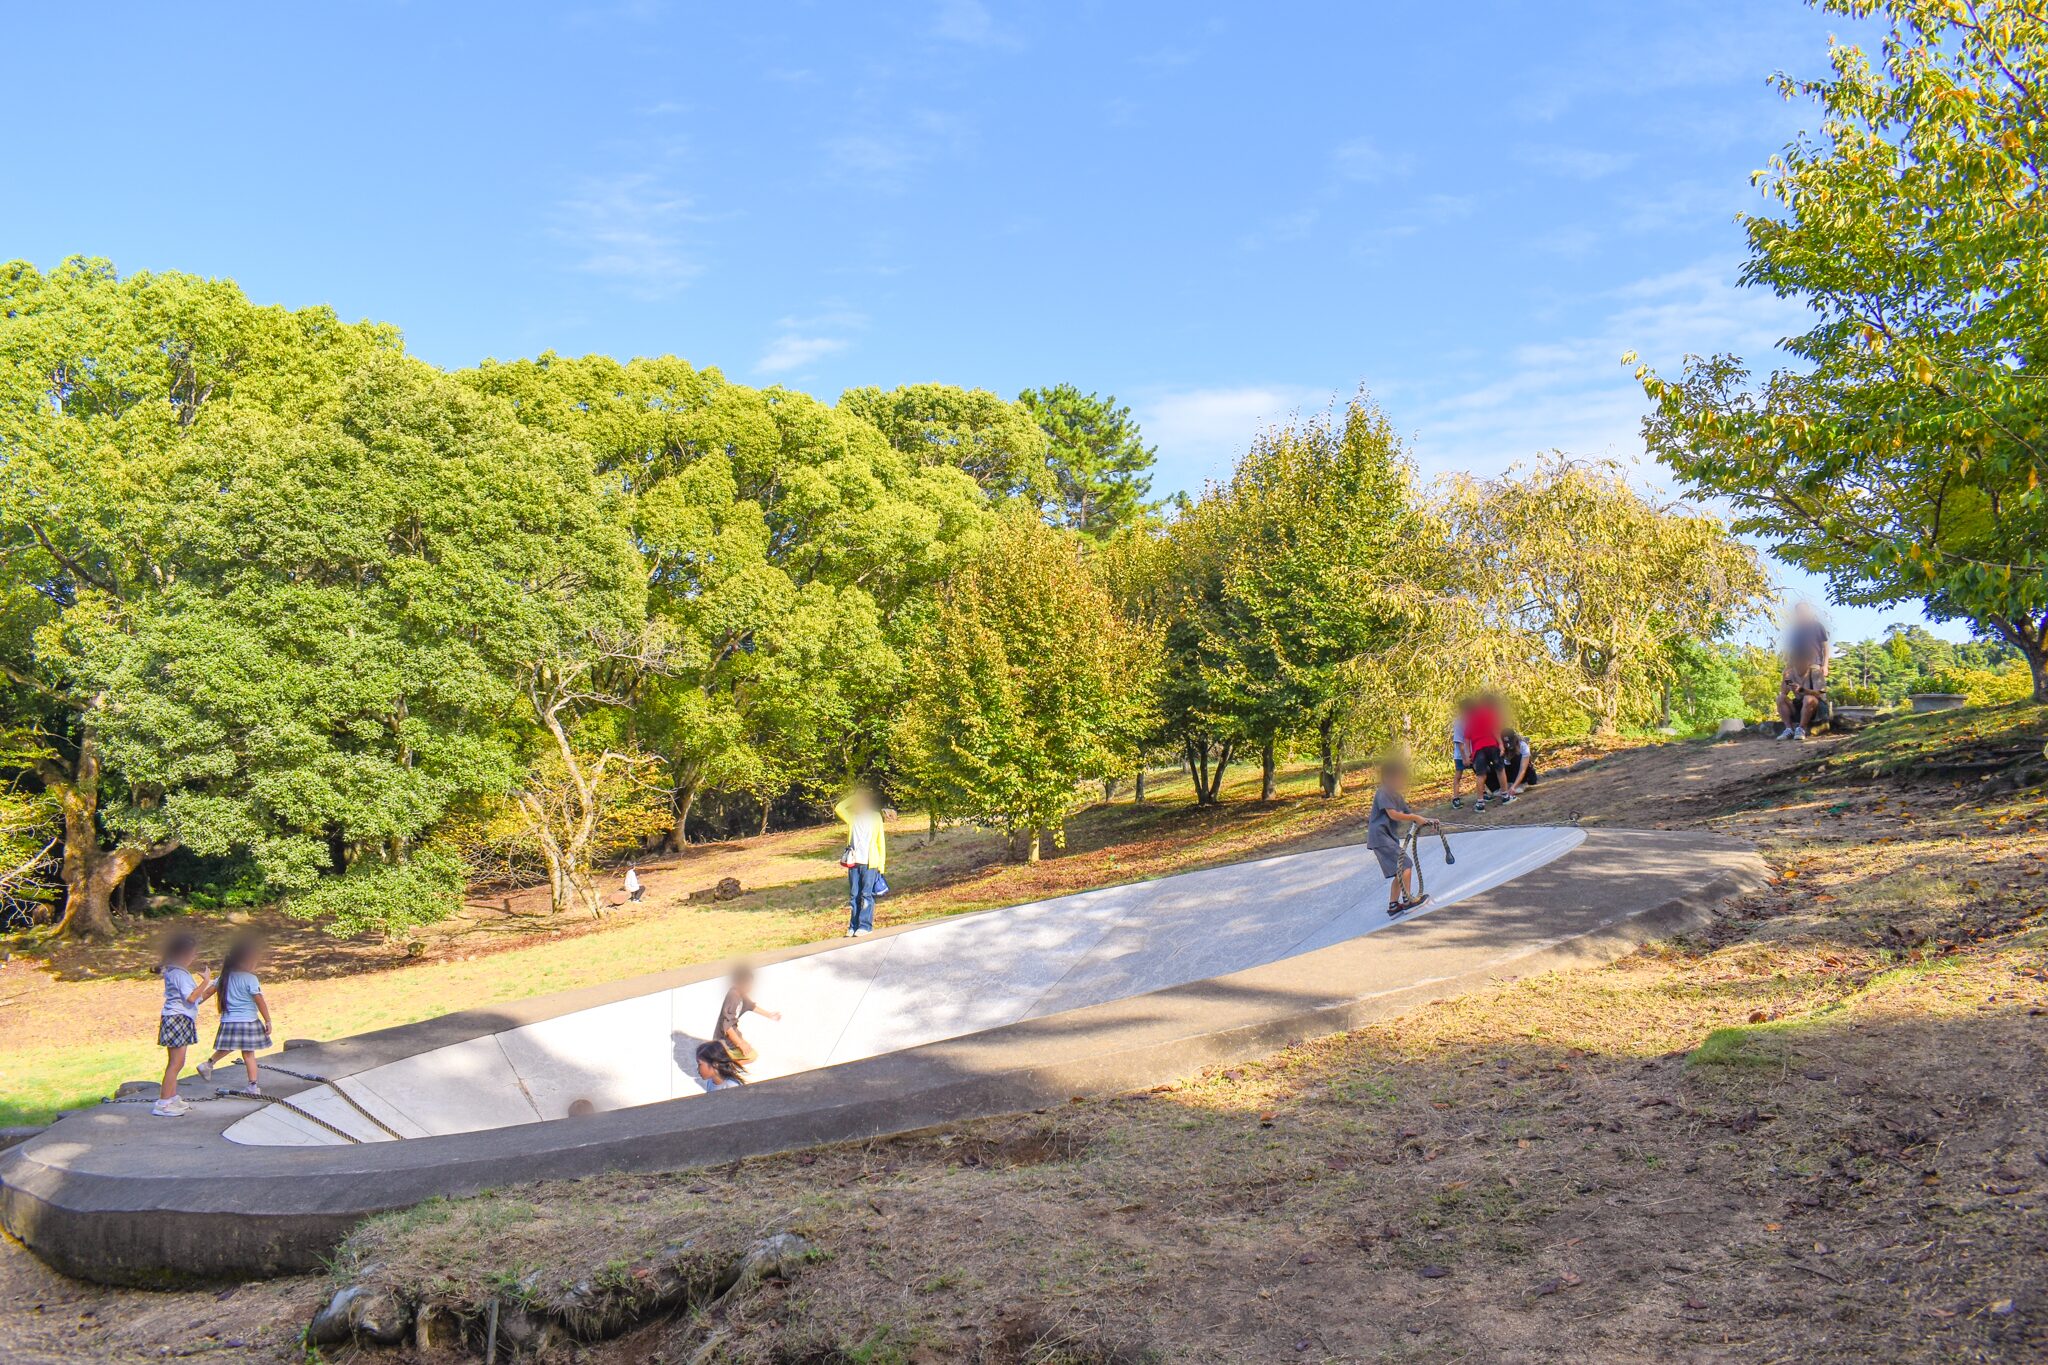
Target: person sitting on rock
1805,683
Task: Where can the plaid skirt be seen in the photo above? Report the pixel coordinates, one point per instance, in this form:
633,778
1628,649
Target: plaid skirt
177,1030
242,1035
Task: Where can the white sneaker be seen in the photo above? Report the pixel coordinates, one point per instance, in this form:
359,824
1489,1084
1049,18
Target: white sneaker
862,933
205,1070
169,1109
252,1090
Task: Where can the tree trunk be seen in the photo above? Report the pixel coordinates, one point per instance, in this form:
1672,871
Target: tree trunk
1266,765
1197,756
763,831
1108,790
91,874
135,891
1138,789
1332,775
1212,790
1031,845
931,829
1607,720
678,839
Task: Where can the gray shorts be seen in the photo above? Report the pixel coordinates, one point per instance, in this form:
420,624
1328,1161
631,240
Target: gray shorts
1393,860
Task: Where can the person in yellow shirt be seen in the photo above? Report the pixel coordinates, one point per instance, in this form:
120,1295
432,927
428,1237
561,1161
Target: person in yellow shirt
866,856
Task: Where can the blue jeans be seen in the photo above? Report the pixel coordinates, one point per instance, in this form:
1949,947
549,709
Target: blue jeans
860,881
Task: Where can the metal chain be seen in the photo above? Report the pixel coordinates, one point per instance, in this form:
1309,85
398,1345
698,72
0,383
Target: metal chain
335,1086
219,1094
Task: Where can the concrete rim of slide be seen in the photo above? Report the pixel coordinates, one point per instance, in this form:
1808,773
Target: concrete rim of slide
109,1194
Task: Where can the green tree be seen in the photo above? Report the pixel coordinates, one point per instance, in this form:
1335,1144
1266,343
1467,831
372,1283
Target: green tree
1027,683
1906,458
789,551
1705,685
1322,540
1598,581
1099,463
279,580
107,387
993,441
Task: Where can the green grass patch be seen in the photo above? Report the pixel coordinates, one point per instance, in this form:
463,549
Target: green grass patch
1904,743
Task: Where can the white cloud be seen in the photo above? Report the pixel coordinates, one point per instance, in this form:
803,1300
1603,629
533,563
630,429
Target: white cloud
1573,241
970,23
1364,160
1572,392
1199,430
1282,229
883,158
1580,163
801,341
628,228
791,352
869,154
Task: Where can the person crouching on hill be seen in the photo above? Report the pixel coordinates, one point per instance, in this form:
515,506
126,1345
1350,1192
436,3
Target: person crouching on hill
1518,762
1383,835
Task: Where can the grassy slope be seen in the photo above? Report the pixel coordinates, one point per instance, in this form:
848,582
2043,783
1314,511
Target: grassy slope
1813,1132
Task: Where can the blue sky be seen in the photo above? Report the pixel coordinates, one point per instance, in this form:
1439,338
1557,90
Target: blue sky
1220,213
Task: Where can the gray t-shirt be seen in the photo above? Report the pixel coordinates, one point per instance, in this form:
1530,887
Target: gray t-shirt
1379,826
1806,644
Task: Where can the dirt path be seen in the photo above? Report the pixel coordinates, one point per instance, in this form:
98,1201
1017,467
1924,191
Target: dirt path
1664,786
46,1318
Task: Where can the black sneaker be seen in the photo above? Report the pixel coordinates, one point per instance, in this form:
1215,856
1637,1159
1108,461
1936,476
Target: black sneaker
1396,908
1479,806
1457,803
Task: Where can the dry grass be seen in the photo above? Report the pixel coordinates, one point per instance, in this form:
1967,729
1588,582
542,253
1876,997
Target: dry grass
1818,1130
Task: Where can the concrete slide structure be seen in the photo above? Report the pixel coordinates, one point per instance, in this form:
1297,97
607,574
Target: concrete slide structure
1105,990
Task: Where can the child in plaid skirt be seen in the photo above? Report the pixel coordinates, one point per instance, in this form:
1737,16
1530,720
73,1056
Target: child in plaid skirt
178,1028
244,1014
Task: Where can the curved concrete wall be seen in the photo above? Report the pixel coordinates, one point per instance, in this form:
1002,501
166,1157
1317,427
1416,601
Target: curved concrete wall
923,985
111,1194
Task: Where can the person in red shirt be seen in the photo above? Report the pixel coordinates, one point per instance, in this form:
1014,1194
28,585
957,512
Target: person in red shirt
1482,737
